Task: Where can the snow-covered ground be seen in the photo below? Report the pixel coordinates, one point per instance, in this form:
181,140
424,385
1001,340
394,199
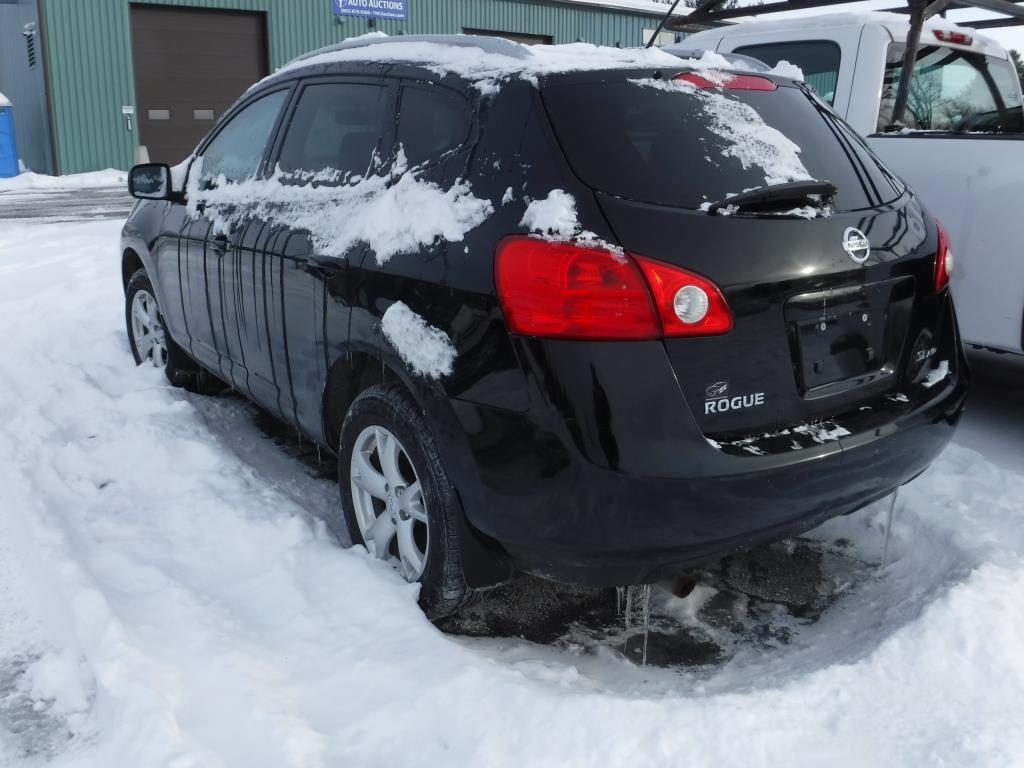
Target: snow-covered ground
170,596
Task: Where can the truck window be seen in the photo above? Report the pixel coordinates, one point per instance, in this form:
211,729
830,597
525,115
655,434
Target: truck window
953,91
817,59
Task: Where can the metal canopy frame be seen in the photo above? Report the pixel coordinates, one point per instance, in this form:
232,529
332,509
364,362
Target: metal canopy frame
710,13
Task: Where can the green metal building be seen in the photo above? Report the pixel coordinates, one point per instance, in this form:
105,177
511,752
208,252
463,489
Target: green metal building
98,83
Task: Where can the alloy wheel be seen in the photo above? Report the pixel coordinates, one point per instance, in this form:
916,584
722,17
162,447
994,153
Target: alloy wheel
148,329
388,500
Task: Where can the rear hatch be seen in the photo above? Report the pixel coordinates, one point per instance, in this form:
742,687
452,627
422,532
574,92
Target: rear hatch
821,326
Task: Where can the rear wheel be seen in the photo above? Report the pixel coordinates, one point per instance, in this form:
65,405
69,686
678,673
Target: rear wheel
397,499
152,345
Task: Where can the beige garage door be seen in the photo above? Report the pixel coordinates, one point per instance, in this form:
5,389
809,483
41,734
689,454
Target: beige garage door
191,64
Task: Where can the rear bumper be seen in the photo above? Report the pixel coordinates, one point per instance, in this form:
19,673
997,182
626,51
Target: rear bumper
606,479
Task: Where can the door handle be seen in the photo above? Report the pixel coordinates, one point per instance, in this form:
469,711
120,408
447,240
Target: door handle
221,244
323,267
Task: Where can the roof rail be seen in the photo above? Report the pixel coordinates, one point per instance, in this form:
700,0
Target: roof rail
485,43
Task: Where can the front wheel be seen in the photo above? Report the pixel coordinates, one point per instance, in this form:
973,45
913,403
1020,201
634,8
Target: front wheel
151,344
397,499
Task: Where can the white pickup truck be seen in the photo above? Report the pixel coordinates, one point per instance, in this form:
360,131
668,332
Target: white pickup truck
961,148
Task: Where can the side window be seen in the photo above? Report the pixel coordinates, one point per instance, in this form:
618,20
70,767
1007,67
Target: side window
237,150
819,61
336,127
952,90
432,121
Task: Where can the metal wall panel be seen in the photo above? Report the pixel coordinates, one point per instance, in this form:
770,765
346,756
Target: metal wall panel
24,85
89,54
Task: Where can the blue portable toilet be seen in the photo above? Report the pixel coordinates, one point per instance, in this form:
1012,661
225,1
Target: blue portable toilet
8,152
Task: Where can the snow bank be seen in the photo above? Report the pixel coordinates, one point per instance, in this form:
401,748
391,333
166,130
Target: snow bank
745,134
167,563
340,213
29,180
426,349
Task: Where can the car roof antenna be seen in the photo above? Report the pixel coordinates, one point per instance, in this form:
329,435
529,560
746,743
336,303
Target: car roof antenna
661,24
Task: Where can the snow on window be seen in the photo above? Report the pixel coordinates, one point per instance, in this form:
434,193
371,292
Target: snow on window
747,137
393,213
426,349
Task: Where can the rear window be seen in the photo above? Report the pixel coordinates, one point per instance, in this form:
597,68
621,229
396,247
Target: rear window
817,59
953,91
668,143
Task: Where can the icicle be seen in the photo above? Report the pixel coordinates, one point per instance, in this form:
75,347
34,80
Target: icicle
319,462
647,618
618,600
629,606
888,529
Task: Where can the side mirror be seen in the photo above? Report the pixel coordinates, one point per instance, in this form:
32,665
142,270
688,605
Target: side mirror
151,181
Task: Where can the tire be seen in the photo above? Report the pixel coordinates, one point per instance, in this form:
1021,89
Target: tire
386,408
179,368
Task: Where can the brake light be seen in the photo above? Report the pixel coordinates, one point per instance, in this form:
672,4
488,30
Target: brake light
687,304
729,82
575,291
943,259
958,38
562,290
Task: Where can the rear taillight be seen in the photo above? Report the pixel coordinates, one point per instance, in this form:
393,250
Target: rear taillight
687,304
728,81
943,259
574,291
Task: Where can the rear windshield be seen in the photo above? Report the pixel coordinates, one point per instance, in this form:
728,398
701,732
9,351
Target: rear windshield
670,143
953,91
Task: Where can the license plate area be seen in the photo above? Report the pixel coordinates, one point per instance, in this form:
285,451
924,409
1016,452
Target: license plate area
848,337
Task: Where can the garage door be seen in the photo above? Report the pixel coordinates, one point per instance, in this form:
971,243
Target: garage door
191,64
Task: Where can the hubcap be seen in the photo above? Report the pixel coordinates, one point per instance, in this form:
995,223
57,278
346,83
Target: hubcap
148,329
388,501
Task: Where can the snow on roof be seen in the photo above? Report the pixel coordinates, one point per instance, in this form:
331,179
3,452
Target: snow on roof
488,62
4,101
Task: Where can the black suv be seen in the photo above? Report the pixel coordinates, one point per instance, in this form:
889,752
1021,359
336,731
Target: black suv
598,324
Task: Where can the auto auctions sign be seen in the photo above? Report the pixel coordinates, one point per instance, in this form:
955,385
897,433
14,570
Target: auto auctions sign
378,9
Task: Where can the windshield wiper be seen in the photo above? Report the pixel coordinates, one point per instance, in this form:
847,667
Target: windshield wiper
779,196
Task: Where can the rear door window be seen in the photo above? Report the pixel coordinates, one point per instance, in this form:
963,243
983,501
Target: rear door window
238,148
660,142
431,122
338,128
817,59
953,91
